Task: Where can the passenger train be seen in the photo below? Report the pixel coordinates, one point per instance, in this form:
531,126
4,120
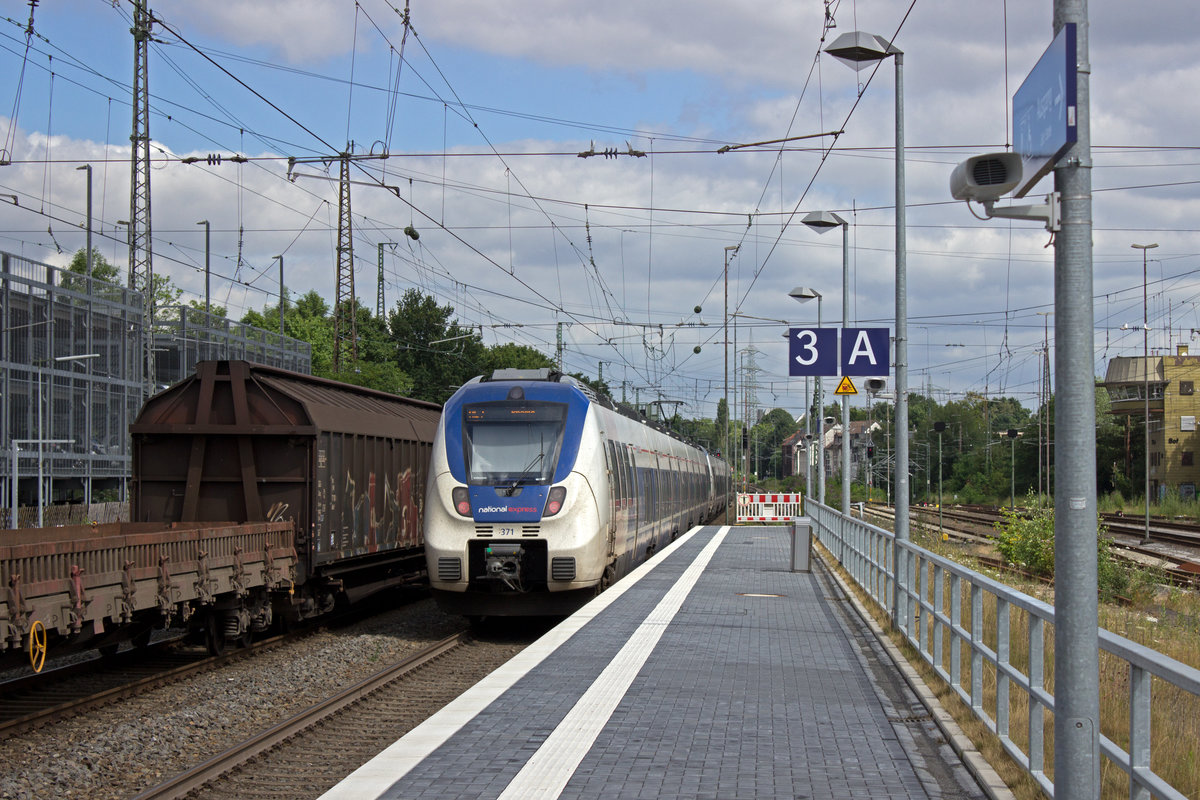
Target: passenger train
541,494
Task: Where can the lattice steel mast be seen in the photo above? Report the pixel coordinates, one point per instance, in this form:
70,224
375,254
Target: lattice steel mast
141,269
345,326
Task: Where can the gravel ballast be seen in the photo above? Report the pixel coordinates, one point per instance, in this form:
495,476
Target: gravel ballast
121,750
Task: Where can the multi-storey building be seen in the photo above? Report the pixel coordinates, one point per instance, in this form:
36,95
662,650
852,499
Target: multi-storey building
1170,382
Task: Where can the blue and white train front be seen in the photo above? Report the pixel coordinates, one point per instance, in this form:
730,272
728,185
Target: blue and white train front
512,522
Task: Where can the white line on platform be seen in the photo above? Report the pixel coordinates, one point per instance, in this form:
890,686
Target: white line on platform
373,778
546,773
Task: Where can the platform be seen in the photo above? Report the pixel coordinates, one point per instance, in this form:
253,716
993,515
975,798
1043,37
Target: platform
712,671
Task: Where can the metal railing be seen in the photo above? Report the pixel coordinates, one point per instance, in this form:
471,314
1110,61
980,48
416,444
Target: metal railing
994,647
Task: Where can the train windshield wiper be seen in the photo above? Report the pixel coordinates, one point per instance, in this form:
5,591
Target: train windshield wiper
522,476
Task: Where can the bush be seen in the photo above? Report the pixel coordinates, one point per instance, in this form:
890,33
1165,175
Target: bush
1026,540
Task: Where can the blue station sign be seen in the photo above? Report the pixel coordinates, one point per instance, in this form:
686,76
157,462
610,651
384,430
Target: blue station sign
816,352
1045,121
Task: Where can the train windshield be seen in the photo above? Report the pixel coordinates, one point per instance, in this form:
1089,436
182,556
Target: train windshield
512,442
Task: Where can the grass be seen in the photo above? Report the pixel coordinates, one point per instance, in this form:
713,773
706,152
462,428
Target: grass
1172,506
1164,619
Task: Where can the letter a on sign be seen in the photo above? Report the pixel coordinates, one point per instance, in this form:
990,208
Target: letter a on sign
865,351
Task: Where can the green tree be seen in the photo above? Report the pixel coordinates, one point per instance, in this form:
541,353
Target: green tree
433,349
308,320
166,294
516,356
216,311
101,271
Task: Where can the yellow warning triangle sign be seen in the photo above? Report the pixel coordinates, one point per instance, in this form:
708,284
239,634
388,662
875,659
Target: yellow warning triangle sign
846,386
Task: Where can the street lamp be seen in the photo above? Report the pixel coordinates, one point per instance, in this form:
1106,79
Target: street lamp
1012,435
88,167
821,222
733,248
1146,378
207,272
42,440
939,427
803,294
858,49
282,297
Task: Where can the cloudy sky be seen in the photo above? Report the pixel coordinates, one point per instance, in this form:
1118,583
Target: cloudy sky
483,123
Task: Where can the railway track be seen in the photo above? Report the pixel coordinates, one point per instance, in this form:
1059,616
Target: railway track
312,751
1174,546
31,701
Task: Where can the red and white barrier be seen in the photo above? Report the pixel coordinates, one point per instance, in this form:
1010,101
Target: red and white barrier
769,507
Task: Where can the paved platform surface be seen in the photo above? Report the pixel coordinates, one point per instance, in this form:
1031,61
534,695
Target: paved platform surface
712,671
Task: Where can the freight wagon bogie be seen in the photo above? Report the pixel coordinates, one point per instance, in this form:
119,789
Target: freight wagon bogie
100,586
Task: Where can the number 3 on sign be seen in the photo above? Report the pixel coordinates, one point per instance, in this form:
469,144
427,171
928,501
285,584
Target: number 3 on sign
812,351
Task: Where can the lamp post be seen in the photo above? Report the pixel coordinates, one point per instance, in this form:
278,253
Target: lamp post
733,248
43,439
808,439
822,221
1012,435
803,294
88,167
282,299
939,427
858,49
1146,378
207,273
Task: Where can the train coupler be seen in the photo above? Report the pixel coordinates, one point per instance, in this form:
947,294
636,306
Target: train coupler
502,562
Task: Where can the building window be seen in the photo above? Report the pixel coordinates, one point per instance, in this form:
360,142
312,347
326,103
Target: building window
1188,458
1187,423
1187,387
1156,459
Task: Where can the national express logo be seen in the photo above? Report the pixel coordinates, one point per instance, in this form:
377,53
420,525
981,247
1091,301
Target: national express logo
505,510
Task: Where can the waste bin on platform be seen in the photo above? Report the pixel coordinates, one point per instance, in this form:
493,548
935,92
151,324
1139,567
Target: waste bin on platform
801,544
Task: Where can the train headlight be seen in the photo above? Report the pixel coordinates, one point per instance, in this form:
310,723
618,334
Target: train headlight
461,500
554,502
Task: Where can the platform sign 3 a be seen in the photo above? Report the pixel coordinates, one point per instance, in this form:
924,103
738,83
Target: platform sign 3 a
816,351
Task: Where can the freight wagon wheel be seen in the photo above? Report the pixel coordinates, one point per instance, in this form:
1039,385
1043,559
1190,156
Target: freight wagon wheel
142,638
214,636
37,645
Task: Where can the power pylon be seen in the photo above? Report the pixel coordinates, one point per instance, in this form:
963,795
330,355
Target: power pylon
345,326
141,268
380,304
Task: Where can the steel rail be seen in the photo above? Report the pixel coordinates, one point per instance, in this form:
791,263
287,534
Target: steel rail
183,784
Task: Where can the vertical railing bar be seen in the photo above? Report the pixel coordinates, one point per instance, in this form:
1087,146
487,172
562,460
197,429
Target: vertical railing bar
938,604
1037,683
976,652
1139,730
1003,656
955,626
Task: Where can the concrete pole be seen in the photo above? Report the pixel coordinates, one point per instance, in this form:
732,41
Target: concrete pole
820,440
87,426
1076,659
808,441
901,322
725,323
207,270
1146,380
845,398
282,297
